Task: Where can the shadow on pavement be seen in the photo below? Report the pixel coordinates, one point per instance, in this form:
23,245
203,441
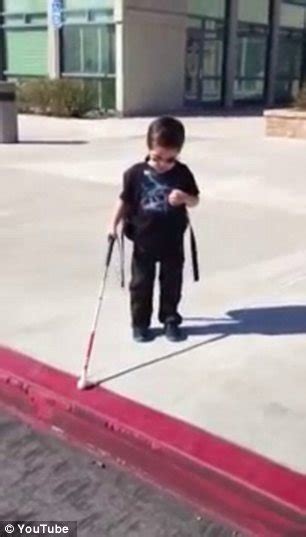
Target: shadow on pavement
52,142
215,111
273,321
276,321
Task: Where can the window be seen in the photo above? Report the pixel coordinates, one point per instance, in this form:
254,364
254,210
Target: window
290,54
88,4
212,60
112,49
25,6
27,52
254,12
26,38
89,49
71,48
292,16
250,63
207,8
205,50
289,67
252,45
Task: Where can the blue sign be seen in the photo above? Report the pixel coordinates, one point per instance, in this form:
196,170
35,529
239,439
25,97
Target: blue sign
57,7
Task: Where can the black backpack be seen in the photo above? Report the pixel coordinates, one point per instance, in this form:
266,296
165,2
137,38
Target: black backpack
128,227
128,231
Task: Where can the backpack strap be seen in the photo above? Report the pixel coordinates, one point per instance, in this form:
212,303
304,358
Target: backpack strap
194,254
121,244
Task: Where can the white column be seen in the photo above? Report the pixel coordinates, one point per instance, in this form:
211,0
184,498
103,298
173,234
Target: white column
120,54
151,48
53,46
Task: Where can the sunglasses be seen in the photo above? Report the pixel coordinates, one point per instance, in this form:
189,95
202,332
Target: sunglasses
157,158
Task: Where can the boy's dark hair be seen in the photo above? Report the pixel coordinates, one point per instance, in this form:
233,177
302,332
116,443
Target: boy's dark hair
166,132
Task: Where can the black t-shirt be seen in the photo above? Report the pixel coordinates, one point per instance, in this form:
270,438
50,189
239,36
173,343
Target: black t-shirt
158,226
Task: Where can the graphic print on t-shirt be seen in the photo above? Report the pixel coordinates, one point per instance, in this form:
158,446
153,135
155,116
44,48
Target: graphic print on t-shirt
154,195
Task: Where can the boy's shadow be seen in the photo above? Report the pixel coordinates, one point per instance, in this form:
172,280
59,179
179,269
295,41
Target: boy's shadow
270,321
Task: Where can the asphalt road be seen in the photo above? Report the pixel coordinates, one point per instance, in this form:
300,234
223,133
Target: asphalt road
42,479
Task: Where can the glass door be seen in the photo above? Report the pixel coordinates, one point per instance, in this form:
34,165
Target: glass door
204,62
193,65
291,54
290,60
251,62
212,61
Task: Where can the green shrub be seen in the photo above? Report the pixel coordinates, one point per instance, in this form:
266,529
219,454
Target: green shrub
33,96
61,98
301,99
70,98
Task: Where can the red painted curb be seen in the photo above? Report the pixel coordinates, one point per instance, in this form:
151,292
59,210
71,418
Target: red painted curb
233,484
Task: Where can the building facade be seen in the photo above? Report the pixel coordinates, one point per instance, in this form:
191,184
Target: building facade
151,56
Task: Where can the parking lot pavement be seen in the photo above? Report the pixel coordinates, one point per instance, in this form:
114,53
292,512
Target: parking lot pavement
45,479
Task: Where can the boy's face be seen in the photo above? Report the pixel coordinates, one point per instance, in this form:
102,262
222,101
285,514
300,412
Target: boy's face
162,159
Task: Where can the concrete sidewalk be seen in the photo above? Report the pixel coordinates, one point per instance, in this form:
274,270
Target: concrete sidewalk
241,374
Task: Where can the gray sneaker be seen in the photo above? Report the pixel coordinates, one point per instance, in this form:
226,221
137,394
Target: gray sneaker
141,334
173,332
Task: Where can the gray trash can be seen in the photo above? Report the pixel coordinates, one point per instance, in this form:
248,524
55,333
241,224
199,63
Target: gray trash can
8,113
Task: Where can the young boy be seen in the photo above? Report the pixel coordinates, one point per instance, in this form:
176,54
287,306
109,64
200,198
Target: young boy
155,195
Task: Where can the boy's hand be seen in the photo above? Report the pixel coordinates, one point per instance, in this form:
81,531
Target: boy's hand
177,198
112,231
